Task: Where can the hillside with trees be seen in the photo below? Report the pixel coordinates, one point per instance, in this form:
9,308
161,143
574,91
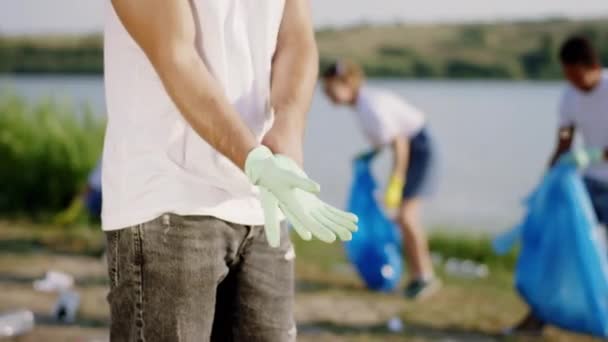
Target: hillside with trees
506,50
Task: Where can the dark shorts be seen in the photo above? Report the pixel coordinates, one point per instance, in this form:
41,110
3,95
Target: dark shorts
421,172
93,203
598,192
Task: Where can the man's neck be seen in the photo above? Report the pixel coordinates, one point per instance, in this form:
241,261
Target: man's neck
596,79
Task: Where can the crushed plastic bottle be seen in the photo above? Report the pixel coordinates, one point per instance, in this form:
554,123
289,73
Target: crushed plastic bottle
395,325
66,308
54,281
16,323
437,258
466,269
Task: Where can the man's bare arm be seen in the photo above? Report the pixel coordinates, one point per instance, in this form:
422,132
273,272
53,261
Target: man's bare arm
295,70
165,31
565,136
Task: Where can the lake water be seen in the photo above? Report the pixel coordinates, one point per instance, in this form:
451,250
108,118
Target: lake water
494,139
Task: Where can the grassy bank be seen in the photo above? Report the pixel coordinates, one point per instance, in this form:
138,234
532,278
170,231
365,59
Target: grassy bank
47,150
79,239
506,50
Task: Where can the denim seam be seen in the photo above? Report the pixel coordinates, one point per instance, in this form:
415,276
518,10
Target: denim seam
114,236
246,240
138,263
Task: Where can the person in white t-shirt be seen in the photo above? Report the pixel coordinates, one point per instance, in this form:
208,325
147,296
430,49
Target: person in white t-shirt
389,121
583,110
207,103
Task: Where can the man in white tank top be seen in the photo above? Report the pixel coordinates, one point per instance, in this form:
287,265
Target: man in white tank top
198,169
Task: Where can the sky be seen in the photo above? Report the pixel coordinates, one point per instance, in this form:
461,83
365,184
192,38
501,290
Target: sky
77,16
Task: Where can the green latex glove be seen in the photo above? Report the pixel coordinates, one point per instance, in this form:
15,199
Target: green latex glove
312,216
288,188
583,158
275,185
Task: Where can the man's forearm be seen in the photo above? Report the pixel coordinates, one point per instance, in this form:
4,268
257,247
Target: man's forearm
295,69
565,137
294,77
166,32
204,105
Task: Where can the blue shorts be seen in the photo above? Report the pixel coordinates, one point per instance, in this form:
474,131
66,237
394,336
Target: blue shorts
93,203
598,192
421,172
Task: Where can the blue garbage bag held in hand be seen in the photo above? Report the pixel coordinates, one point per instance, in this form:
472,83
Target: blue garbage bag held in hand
375,250
562,270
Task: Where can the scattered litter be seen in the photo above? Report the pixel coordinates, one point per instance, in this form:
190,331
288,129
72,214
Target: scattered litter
290,254
54,281
466,268
437,258
395,325
66,308
16,323
387,271
344,269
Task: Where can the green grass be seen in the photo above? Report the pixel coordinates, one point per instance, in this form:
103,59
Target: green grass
47,150
331,302
25,237
471,247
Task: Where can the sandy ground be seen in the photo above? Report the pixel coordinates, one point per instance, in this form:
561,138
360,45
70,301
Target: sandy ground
331,303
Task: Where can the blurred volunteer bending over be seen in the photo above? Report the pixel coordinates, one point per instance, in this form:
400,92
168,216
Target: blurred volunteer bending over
198,167
389,121
583,110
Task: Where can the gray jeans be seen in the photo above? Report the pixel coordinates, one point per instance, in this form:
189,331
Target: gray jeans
198,278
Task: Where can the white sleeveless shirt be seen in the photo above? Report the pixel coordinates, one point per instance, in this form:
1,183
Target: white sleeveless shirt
153,161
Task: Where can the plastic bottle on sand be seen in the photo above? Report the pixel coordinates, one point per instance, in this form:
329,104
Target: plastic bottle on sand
16,323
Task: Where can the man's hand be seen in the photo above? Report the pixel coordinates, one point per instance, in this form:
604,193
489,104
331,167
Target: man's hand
583,158
284,186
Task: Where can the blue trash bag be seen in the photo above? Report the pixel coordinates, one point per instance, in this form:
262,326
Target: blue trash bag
562,270
375,249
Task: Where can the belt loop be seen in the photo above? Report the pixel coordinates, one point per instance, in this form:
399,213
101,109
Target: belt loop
166,220
251,231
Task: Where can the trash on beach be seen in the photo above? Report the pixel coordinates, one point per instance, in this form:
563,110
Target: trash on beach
395,325
437,258
66,307
466,269
17,323
54,281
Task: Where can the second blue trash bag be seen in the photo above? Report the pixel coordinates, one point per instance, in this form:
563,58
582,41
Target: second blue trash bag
562,270
375,249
